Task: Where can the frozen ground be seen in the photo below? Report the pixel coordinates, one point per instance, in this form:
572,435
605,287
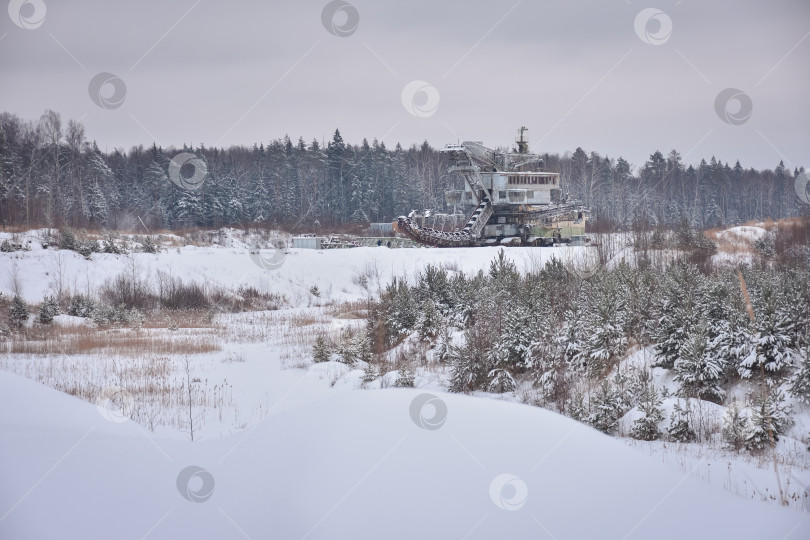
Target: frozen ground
340,275
301,450
351,465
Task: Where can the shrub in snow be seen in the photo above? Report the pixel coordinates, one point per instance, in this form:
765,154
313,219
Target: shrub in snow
110,243
605,408
372,372
638,384
571,338
433,284
80,306
9,247
576,408
500,381
466,295
363,344
623,386
48,310
646,427
503,274
67,240
735,425
443,343
766,246
554,374
658,240
398,309
105,315
321,350
78,243
149,244
353,347
469,363
727,325
86,248
770,417
680,423
404,378
18,313
513,349
429,321
800,384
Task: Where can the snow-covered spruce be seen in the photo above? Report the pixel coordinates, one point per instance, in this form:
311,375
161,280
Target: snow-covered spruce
17,313
646,427
770,417
48,309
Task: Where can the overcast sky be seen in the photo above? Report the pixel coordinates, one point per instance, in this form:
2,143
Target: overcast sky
604,75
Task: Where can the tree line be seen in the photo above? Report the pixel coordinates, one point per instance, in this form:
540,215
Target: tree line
51,175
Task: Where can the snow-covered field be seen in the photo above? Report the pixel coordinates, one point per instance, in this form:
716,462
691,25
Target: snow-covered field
285,448
337,273
351,465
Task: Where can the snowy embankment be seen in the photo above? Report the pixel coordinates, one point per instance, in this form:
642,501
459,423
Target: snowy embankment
350,465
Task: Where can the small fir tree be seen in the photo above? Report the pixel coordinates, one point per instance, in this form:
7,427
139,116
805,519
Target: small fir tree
646,427
605,408
321,350
735,426
48,310
697,371
80,306
428,322
680,424
770,418
405,377
372,372
468,365
773,337
501,381
800,384
18,313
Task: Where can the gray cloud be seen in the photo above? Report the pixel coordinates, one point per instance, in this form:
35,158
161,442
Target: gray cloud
575,74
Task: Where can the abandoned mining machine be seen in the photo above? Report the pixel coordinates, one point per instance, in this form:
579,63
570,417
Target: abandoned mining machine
516,202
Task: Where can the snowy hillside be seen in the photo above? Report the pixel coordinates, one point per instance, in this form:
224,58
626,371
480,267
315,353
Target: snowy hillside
353,465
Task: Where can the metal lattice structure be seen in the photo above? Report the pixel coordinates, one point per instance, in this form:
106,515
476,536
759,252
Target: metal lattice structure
515,201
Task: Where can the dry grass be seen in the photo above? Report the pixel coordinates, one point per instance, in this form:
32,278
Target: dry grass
174,319
785,233
349,310
725,245
292,334
308,319
58,340
157,386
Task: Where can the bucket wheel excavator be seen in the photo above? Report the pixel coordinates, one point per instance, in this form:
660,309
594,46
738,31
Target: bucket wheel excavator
514,200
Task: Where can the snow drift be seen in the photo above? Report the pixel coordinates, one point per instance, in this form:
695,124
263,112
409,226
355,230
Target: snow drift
351,465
